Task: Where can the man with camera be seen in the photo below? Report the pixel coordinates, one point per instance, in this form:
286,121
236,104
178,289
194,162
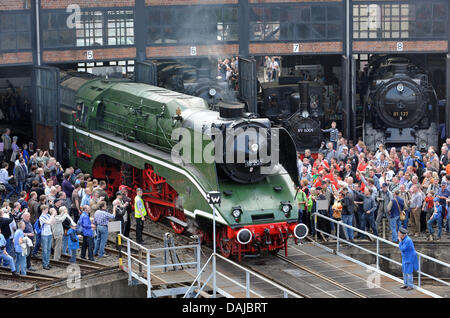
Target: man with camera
384,199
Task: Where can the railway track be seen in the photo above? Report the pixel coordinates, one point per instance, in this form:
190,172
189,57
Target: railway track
319,277
60,281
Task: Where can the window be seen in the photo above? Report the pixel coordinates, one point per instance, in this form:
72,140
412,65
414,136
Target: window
265,24
90,30
296,22
192,25
55,32
397,21
120,28
95,28
15,31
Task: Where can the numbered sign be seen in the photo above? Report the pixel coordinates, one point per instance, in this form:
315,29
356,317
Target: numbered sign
399,46
193,50
90,55
296,47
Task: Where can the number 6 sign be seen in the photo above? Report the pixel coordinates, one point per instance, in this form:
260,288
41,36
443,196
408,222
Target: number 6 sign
193,50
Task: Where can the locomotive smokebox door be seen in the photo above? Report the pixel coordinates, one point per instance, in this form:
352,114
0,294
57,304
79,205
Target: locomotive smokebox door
213,197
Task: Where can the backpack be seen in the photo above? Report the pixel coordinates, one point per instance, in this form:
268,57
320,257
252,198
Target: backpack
66,224
37,227
120,211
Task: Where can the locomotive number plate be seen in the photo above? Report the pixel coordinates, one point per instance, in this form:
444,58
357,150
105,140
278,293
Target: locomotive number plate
400,114
305,130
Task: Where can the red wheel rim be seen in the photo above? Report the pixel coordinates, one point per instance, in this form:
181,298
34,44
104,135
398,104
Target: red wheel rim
175,226
154,211
225,243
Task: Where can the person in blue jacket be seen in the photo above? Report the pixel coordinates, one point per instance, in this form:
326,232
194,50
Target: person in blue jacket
409,258
74,243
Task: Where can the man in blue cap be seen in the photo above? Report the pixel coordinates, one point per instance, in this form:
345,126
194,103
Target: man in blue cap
409,258
397,206
436,217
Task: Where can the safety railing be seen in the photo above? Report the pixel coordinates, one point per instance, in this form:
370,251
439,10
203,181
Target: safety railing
198,286
140,267
377,254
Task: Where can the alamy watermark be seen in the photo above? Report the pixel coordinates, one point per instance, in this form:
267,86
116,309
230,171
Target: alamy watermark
73,276
374,278
253,147
74,19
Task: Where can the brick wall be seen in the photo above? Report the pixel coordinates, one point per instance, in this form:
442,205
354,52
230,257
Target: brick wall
62,4
81,55
16,58
14,5
276,1
287,48
408,46
187,2
184,50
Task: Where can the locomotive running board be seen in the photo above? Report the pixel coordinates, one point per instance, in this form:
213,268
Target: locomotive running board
176,220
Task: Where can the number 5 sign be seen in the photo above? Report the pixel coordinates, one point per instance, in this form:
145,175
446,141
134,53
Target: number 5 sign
296,47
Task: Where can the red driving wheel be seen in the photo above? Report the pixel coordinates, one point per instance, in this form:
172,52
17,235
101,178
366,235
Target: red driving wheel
154,211
175,226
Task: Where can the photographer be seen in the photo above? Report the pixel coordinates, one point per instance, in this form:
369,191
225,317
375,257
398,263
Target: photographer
384,199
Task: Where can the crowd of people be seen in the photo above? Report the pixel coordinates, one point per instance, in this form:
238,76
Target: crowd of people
272,68
408,188
228,71
53,209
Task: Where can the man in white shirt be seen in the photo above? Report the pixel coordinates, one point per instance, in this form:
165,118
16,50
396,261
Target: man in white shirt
45,221
4,180
275,67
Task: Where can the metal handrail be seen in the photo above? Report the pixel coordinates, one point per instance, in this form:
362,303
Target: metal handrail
147,266
247,286
377,253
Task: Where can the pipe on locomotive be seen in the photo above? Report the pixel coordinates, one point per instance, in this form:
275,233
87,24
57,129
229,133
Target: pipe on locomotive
303,90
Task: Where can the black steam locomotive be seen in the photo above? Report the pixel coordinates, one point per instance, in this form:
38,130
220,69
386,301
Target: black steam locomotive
400,104
192,80
297,107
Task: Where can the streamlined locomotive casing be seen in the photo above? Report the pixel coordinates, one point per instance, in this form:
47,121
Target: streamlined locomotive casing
400,105
121,122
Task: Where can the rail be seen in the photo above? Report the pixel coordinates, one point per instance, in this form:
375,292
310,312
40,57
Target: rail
145,267
191,292
377,254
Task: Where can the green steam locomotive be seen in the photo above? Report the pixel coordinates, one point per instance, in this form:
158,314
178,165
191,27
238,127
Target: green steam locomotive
123,132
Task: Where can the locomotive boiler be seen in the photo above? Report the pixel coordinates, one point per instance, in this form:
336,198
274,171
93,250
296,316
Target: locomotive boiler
400,105
125,132
296,107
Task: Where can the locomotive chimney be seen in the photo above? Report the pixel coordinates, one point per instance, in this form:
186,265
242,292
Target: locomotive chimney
400,68
303,90
231,110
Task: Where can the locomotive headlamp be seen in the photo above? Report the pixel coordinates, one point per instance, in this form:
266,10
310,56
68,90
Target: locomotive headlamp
237,212
286,207
212,92
305,114
400,87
